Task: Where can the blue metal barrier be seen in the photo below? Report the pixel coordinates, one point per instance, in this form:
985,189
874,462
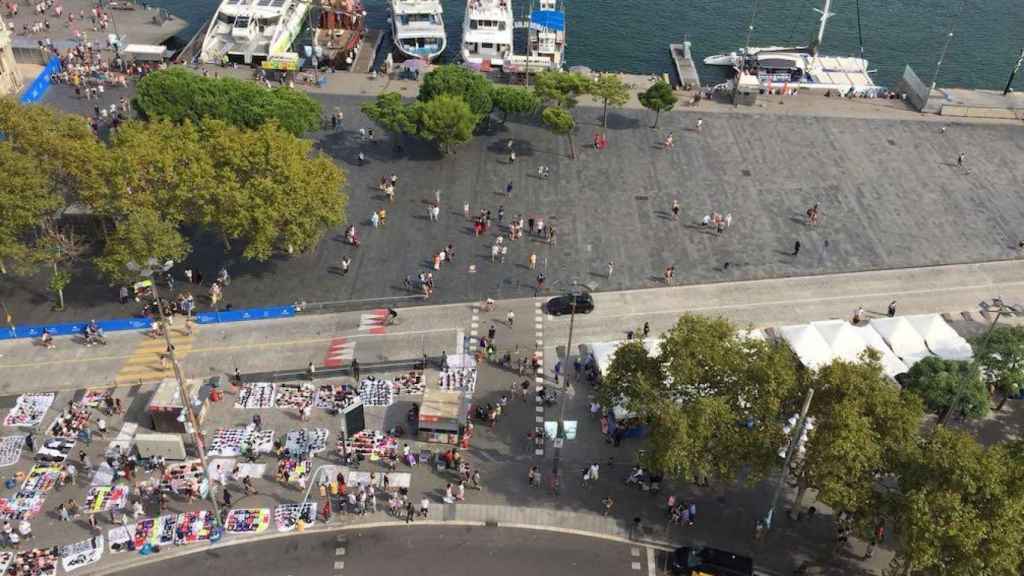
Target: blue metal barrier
71,328
41,84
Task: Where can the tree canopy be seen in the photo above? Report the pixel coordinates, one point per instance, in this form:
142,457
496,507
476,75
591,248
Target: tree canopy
458,81
446,120
561,89
177,94
142,235
26,200
1000,355
391,114
658,98
960,506
562,123
611,91
946,385
514,100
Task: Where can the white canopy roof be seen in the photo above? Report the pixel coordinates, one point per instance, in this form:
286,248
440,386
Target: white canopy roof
843,339
901,336
941,339
891,363
808,344
604,352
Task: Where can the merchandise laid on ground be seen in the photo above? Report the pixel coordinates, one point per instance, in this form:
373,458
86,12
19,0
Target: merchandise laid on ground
81,554
373,444
106,498
247,520
293,396
69,422
287,516
10,450
331,397
55,450
29,410
305,441
376,392
256,395
31,562
233,441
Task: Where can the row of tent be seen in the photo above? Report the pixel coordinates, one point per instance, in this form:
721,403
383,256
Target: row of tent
902,341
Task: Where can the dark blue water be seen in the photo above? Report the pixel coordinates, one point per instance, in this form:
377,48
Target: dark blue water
633,35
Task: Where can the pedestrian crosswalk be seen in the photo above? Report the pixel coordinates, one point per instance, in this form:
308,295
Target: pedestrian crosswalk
144,365
340,352
375,321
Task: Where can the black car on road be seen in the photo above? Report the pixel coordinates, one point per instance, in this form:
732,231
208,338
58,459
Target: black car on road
563,304
699,561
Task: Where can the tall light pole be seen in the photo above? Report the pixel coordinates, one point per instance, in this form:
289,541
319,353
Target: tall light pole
1013,73
560,435
945,47
150,270
794,441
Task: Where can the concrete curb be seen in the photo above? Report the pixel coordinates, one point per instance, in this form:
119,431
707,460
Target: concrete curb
134,560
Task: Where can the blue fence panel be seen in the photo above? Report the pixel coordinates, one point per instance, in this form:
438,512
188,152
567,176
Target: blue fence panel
119,324
245,314
41,84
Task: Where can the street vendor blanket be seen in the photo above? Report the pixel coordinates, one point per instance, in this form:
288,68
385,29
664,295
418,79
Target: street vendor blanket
248,520
293,396
37,562
10,450
119,538
69,421
458,379
55,450
106,498
286,516
306,441
28,500
325,397
230,441
79,554
154,531
29,410
376,392
194,527
256,395
411,383
95,398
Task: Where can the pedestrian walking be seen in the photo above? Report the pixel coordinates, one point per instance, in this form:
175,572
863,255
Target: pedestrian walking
362,158
611,268
858,315
675,210
608,502
670,273
508,189
510,318
465,210
669,142
30,442
533,476
424,507
646,329
532,260
123,295
540,284
355,369
346,262
796,248
960,159
700,125
511,156
892,309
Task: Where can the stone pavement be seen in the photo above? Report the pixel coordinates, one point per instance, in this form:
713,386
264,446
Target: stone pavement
889,192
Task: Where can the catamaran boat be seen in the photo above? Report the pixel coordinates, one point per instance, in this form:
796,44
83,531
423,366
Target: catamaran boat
805,67
417,27
251,31
339,32
737,58
487,32
547,34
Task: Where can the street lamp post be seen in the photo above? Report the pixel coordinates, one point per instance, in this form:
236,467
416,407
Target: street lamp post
794,442
150,270
560,434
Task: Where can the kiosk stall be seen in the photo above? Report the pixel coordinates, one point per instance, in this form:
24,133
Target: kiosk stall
443,417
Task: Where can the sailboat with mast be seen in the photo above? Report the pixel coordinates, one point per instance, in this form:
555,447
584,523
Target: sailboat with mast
804,66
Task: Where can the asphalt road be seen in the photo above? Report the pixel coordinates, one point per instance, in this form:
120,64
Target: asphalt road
469,551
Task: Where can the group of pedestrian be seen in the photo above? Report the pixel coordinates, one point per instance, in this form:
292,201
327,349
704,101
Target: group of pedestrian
717,221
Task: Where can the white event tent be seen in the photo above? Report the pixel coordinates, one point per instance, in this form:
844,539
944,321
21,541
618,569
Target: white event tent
941,339
901,336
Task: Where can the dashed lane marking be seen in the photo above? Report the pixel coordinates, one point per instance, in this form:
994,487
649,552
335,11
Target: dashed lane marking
635,566
651,569
339,551
634,551
339,564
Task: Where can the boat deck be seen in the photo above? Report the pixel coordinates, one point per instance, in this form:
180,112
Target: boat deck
841,71
686,68
134,23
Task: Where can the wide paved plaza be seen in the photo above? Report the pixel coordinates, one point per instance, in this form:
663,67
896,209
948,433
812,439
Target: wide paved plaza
890,196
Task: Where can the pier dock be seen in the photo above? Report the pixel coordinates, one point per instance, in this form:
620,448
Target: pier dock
368,51
132,23
686,68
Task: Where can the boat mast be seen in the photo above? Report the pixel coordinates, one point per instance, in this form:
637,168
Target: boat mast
750,28
529,42
825,15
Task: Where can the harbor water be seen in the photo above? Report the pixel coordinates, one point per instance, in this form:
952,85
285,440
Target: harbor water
633,35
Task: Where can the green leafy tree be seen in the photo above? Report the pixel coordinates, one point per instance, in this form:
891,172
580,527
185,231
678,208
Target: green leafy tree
64,149
158,166
863,424
633,380
690,441
391,114
178,94
658,98
59,248
561,89
458,81
959,507
1000,354
561,123
611,91
446,120
26,200
143,234
514,100
271,191
949,385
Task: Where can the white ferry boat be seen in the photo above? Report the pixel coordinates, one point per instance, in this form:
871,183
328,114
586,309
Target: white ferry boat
417,28
251,31
487,32
545,44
